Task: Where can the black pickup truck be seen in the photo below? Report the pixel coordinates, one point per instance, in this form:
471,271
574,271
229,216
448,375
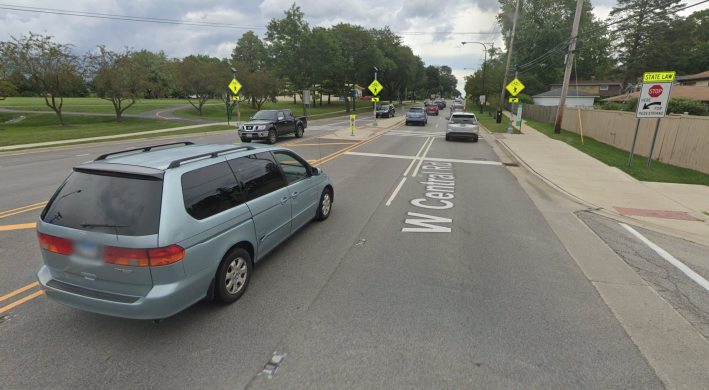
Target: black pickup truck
271,124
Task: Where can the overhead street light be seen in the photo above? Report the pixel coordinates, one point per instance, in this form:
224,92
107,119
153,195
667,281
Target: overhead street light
484,62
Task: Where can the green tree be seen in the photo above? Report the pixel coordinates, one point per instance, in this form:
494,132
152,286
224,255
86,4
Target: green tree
637,42
116,77
7,88
250,52
162,80
202,80
53,68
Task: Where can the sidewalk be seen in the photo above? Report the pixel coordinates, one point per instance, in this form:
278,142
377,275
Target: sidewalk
675,209
106,137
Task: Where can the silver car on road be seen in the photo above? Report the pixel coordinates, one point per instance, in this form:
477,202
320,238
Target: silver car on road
463,125
145,233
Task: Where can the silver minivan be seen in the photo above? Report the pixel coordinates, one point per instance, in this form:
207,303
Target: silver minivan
145,233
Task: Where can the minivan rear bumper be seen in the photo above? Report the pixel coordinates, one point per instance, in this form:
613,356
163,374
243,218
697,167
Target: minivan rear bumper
162,301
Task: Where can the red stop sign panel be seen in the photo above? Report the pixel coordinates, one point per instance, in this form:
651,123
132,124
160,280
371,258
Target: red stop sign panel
655,91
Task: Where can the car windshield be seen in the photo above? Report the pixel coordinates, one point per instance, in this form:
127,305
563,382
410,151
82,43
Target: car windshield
265,115
384,107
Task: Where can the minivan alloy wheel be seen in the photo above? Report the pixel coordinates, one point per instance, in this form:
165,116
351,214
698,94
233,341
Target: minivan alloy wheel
236,275
326,204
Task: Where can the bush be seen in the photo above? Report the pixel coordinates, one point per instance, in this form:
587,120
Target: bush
526,99
632,104
613,106
691,106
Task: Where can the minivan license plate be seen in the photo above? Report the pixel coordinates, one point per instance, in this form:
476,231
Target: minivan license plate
87,249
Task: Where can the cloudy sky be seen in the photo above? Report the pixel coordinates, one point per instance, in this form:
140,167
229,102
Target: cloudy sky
416,20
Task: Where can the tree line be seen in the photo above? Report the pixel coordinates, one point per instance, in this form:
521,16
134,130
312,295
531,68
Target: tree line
646,36
290,58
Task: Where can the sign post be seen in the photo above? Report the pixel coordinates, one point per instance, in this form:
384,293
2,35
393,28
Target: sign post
654,97
375,87
234,86
514,88
352,124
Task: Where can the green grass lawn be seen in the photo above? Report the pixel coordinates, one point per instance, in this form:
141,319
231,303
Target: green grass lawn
46,128
218,113
93,105
488,122
610,155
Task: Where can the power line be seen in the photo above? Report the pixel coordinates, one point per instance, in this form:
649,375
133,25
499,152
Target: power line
187,22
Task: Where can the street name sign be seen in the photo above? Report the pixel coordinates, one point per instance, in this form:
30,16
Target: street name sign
375,87
234,86
658,77
515,87
514,100
653,100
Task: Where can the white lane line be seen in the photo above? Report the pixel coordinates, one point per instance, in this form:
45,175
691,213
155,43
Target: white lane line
414,160
81,155
436,124
670,259
396,191
416,170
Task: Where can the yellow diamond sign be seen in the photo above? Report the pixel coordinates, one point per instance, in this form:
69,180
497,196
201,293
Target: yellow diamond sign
375,87
515,87
234,86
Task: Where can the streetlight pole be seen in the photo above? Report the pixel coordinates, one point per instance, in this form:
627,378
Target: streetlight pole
484,62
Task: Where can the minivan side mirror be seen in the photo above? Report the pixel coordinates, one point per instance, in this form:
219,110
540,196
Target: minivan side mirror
316,171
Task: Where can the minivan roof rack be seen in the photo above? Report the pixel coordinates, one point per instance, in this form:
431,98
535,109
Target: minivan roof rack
176,163
145,149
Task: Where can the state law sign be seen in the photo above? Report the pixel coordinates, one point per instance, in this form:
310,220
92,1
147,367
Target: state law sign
653,100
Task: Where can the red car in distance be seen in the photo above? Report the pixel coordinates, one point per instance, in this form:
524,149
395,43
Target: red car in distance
432,109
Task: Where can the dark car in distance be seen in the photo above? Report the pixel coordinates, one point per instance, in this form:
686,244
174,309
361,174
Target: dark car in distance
386,111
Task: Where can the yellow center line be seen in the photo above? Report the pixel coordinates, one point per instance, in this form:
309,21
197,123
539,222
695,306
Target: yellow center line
20,301
346,150
24,207
17,227
19,212
12,294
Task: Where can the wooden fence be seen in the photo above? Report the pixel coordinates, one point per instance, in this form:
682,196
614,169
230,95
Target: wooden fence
683,140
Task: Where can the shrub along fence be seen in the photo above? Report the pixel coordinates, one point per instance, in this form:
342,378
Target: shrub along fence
683,140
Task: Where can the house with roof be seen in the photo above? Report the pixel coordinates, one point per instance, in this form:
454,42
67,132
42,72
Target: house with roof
574,98
596,87
696,80
698,93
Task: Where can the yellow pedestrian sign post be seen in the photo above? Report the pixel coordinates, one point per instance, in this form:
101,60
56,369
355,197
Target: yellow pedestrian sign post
375,87
515,87
352,124
375,99
514,100
234,86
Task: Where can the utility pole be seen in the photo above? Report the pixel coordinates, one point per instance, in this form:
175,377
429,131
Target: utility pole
509,56
567,72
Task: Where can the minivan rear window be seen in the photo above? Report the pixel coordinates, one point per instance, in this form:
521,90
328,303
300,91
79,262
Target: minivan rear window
125,205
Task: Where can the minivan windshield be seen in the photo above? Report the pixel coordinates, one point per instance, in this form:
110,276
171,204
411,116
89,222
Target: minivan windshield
126,206
265,115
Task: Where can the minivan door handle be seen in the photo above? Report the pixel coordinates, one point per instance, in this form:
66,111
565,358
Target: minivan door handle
295,195
284,200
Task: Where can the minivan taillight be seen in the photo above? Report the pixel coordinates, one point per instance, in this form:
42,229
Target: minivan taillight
59,245
143,257
164,256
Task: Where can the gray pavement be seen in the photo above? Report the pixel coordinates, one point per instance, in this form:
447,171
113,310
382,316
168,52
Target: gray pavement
352,302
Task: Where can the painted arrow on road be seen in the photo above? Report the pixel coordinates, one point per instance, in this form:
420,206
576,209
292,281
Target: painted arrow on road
646,106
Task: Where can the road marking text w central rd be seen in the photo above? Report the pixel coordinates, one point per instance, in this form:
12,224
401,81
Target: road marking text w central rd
426,224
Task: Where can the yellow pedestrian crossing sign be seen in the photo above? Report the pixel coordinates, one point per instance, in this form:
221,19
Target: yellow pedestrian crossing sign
514,100
234,86
375,99
375,87
515,87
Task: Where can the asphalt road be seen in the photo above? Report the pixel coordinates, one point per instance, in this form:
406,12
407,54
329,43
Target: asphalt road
369,298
